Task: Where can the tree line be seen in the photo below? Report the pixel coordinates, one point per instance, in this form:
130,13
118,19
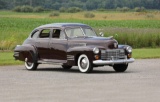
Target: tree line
83,4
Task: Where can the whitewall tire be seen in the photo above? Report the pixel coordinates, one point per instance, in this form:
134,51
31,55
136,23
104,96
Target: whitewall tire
30,65
84,64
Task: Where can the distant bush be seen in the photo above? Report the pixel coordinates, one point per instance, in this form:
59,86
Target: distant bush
118,9
26,8
17,9
139,9
38,9
74,9
70,9
123,9
89,15
62,9
53,14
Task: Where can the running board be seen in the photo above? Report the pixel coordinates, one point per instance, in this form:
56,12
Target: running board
47,61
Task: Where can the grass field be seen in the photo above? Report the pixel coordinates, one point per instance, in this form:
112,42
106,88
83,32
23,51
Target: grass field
6,58
132,28
108,15
146,53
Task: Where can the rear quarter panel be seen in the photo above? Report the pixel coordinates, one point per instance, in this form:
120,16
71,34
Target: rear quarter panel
25,51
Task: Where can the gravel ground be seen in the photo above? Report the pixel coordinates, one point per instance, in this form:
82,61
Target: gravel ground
50,83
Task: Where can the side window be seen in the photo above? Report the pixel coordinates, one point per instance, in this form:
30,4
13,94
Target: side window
62,35
89,32
44,33
57,33
69,32
74,32
78,32
35,34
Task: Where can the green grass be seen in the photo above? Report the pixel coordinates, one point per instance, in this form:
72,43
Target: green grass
139,33
146,53
6,58
15,30
135,37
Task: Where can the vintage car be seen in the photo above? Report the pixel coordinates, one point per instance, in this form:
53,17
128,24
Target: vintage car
72,44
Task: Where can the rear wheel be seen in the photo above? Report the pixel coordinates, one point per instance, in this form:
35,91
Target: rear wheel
120,67
30,65
84,64
66,67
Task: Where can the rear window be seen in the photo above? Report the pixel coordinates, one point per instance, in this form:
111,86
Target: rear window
35,34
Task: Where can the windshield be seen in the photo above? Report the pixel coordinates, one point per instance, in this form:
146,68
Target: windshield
76,32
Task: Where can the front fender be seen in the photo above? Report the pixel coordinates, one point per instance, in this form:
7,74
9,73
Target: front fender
122,46
125,48
73,54
81,50
25,51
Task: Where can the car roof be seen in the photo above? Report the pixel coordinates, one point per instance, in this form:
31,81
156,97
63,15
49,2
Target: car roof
63,25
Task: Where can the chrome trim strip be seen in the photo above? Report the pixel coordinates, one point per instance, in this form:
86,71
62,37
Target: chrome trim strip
112,62
16,53
49,61
77,45
70,57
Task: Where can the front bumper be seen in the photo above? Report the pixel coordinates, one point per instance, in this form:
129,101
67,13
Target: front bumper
112,62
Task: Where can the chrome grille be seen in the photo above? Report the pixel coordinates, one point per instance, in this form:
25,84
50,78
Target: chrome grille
113,54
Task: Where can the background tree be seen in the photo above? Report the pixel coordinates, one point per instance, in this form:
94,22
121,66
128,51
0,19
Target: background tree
83,4
2,4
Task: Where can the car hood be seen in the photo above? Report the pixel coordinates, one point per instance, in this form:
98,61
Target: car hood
105,42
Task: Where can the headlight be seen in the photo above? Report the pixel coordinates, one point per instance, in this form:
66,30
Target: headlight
96,50
115,45
129,49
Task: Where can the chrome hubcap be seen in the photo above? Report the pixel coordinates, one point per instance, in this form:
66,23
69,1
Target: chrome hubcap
84,63
28,63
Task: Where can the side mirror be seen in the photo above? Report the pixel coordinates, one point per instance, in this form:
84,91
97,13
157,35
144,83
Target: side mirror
101,34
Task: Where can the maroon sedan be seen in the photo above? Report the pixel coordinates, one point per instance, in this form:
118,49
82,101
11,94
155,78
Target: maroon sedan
72,44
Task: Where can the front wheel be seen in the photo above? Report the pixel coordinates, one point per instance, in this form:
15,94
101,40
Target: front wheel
120,67
84,64
30,65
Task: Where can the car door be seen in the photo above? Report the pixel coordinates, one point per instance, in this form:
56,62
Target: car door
42,44
58,45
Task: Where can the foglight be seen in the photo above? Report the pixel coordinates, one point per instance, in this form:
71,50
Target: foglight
96,57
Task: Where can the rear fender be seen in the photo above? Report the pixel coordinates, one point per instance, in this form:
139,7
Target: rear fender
25,51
